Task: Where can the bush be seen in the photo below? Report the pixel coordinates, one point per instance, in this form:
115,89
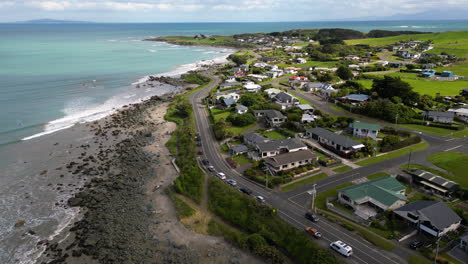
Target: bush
389,143
196,78
241,120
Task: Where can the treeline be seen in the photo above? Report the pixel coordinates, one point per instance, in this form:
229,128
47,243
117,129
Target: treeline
267,230
196,78
377,33
182,146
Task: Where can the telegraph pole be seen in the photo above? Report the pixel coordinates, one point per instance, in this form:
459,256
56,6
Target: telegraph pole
437,250
313,192
409,158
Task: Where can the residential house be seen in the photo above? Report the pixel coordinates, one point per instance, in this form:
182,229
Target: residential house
433,183
268,59
313,86
273,118
229,102
252,87
373,197
306,108
432,217
364,130
429,65
230,79
253,139
257,77
394,64
440,117
383,63
428,73
342,145
238,149
274,73
301,60
234,96
354,66
279,146
244,68
446,74
229,85
354,98
307,118
461,113
326,90
464,243
352,57
260,65
241,109
285,100
290,160
272,92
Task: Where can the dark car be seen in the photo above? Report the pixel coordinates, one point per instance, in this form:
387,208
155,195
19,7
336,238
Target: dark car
206,162
312,217
416,244
246,191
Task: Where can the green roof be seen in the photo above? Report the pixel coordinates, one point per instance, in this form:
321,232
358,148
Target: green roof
385,190
364,125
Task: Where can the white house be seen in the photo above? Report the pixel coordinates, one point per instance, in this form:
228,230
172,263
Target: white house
272,92
290,160
364,130
234,96
252,87
301,60
241,109
307,118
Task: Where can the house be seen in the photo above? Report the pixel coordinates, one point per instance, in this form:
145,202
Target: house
364,130
257,77
351,57
252,87
238,149
461,113
326,90
394,64
241,109
429,66
446,74
464,243
432,217
433,183
301,60
272,92
274,73
312,86
260,65
268,59
253,139
383,63
244,68
290,160
233,96
230,79
440,117
285,100
273,118
279,146
306,108
428,73
355,98
373,197
307,118
354,66
228,102
464,92
229,85
342,145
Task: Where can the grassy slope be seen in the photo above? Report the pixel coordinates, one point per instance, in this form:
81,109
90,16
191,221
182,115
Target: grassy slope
454,162
294,185
274,135
394,154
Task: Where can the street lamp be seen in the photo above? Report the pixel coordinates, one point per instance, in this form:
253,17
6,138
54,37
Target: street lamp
313,192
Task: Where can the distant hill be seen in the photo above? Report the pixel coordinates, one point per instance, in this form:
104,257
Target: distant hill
53,21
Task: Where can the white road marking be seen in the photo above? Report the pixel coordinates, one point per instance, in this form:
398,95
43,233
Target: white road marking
453,148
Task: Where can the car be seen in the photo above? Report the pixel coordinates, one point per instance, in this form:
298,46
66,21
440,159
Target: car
246,191
313,232
221,175
260,199
206,162
211,168
231,182
312,217
200,152
416,244
342,248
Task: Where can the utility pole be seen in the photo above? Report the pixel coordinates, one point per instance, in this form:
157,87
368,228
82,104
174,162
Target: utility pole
409,158
437,250
313,192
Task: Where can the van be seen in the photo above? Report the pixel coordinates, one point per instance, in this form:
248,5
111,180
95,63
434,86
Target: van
342,248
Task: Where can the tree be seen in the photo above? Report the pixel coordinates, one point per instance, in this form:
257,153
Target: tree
388,87
239,59
241,120
220,129
325,77
344,73
184,108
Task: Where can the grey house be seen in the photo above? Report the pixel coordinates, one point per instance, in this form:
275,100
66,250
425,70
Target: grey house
432,217
241,109
276,147
433,183
238,149
290,160
286,100
253,139
342,145
440,117
273,118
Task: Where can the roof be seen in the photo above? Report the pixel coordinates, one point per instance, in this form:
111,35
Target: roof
229,101
304,107
241,108
314,84
437,212
363,125
289,157
270,113
229,84
356,97
441,114
273,145
460,111
282,96
273,91
338,139
432,178
255,138
239,148
384,190
306,117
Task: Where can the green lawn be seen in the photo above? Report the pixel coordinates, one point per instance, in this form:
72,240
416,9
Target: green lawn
307,180
393,154
377,175
241,159
418,260
320,155
328,64
302,100
344,168
240,130
438,131
321,198
274,135
183,209
458,69
429,87
220,115
454,162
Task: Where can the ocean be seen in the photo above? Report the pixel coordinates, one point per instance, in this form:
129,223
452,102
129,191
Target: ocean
57,75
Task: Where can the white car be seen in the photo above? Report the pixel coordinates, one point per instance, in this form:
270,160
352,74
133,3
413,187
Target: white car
342,248
231,182
260,199
221,175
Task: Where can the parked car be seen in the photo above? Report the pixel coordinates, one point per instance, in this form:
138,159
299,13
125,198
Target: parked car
231,182
416,244
312,217
313,232
260,199
211,168
205,162
221,175
342,248
246,191
200,152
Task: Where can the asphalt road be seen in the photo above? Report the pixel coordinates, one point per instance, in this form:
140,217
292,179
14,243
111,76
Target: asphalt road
291,206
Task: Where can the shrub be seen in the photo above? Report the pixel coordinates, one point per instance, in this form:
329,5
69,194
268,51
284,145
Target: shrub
196,78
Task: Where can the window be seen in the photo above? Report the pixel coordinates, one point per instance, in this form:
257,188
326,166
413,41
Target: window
292,164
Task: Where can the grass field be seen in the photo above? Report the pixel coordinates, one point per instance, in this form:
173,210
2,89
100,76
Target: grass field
454,162
431,130
241,159
321,198
220,115
418,260
377,175
342,169
429,87
307,180
310,64
458,69
394,154
240,130
274,135
214,40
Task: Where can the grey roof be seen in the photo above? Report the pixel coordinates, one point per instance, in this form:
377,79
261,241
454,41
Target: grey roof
284,97
304,107
432,178
241,108
229,101
229,84
273,145
441,114
314,85
239,148
289,157
270,113
255,138
437,212
338,139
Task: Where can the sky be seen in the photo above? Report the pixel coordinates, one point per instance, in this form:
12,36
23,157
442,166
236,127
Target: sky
222,10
